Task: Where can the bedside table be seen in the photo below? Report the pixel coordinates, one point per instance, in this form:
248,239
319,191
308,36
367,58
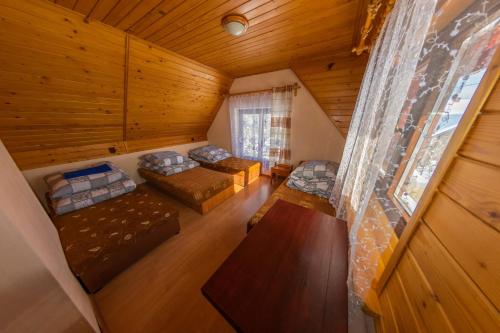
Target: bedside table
280,170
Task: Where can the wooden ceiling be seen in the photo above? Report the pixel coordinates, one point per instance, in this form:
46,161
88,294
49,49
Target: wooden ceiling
334,82
72,91
280,32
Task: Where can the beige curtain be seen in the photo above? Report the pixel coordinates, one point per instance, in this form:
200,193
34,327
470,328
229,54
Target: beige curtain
281,122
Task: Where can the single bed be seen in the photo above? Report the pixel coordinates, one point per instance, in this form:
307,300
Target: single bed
199,188
244,172
297,197
102,240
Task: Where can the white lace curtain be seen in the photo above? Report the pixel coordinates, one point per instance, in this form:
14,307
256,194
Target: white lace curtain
260,126
427,55
250,117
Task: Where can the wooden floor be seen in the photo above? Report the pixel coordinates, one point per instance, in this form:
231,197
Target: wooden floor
162,292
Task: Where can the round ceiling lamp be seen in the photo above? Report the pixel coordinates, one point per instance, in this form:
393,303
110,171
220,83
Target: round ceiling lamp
235,24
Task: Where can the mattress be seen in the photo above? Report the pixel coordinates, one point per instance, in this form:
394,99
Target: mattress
297,197
193,187
102,240
243,171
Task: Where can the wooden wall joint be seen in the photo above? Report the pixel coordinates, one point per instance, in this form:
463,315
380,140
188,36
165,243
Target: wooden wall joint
125,86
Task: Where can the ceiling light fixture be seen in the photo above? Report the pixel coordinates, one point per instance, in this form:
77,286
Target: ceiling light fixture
235,24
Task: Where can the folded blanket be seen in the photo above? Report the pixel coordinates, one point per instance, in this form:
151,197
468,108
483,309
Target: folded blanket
169,169
316,169
93,196
321,187
210,154
59,187
164,158
88,171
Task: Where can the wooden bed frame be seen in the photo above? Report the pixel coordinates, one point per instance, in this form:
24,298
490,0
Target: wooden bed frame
206,205
214,201
241,178
203,207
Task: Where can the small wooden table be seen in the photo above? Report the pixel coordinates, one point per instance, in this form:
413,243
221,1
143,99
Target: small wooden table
280,170
288,275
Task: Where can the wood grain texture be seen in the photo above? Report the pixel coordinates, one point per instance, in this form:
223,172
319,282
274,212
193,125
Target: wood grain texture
288,275
169,94
388,321
483,144
493,103
476,186
474,245
59,86
45,157
280,30
334,82
465,305
424,304
72,90
404,316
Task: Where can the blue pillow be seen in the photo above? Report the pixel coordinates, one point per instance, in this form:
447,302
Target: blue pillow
87,171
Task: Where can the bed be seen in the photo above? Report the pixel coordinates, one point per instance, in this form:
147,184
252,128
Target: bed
102,240
199,188
297,197
244,172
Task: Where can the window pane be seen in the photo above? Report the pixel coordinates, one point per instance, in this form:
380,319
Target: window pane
435,136
432,145
255,127
250,137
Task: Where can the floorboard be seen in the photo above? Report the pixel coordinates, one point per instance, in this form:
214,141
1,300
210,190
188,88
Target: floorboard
162,292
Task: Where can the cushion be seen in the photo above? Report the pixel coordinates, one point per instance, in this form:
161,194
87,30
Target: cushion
164,158
90,197
316,169
209,154
169,169
88,171
59,187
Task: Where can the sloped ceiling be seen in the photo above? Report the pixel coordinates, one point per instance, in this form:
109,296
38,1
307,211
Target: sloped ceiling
334,82
74,88
280,32
73,91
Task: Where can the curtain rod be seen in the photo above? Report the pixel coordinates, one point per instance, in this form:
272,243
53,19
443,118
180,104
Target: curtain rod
295,87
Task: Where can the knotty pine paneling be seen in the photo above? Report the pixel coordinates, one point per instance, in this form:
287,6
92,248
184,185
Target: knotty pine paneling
280,30
450,269
65,83
60,86
334,82
169,94
475,245
477,187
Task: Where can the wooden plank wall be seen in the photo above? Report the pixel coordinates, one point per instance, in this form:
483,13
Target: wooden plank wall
447,279
170,96
334,82
60,86
71,90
